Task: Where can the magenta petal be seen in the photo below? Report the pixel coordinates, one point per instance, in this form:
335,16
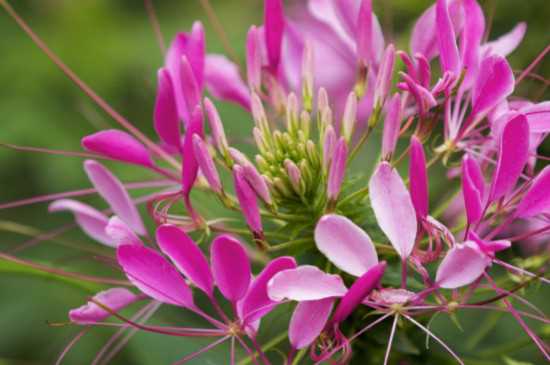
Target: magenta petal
423,37
274,21
337,169
365,44
114,193
120,233
360,289
257,182
167,123
507,43
230,266
222,80
186,255
494,83
462,265
247,200
189,86
448,50
92,221
308,321
418,175
190,166
393,208
114,298
474,28
154,275
513,155
345,244
206,164
537,199
257,303
118,145
538,116
305,283
473,189
392,123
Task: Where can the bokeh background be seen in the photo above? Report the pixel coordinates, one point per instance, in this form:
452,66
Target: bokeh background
111,45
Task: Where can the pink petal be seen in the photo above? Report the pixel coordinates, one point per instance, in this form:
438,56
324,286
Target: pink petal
308,321
154,275
216,126
274,21
513,155
494,83
489,247
118,145
166,117
337,169
190,166
186,255
392,123
120,233
538,116
418,175
507,43
393,208
247,200
537,199
462,265
474,28
257,303
345,244
114,193
257,182
191,91
360,289
254,58
230,266
222,80
473,189
365,43
114,298
446,38
206,164
92,221
305,283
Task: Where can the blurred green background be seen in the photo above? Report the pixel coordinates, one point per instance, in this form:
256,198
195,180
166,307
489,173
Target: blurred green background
110,44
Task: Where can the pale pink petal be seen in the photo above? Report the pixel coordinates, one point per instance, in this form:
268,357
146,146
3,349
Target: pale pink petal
494,83
305,283
118,145
513,155
446,38
120,233
392,123
166,119
360,289
206,164
538,116
114,298
216,126
462,265
230,267
345,244
257,303
92,221
254,58
154,275
308,321
222,80
257,182
114,193
418,175
247,200
186,255
537,199
474,28
393,208
507,43
337,169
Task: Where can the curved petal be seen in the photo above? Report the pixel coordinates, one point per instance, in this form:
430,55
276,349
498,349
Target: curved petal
120,233
154,275
114,298
190,166
358,291
257,303
537,199
474,28
274,21
513,155
538,116
506,44
393,208
222,80
345,244
473,189
305,283
91,220
308,321
186,255
166,119
118,145
418,175
446,38
462,265
114,193
230,266
494,83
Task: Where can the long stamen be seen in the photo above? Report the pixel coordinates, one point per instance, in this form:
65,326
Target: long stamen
218,28
150,8
85,88
201,351
533,64
70,345
390,340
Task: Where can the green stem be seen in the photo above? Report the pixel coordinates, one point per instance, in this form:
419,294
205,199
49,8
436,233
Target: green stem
268,346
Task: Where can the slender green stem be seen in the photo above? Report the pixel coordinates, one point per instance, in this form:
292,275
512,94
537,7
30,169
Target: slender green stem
268,346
